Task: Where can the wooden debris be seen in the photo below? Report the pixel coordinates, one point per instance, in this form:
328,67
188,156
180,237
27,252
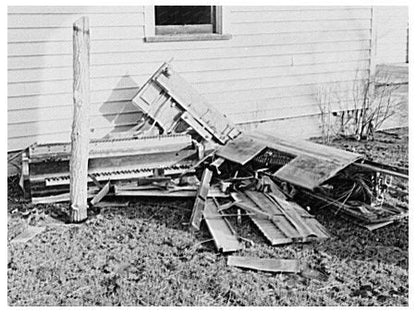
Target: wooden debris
140,159
312,164
29,233
154,193
101,194
60,197
266,265
166,97
201,198
280,221
241,150
106,204
224,236
216,164
375,226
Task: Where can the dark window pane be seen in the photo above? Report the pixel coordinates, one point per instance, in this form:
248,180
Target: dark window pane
183,15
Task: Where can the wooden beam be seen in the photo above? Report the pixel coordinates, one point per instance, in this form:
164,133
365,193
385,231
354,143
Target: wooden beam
201,197
267,265
80,126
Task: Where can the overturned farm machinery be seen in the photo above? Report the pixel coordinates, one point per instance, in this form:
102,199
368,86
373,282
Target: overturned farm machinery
184,147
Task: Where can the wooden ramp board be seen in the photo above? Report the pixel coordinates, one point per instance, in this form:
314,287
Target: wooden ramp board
224,238
313,163
266,265
241,150
166,96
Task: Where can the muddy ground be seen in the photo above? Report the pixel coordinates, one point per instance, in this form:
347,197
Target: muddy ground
144,254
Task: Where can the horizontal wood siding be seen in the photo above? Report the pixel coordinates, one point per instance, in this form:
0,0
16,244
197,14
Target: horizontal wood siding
266,76
391,24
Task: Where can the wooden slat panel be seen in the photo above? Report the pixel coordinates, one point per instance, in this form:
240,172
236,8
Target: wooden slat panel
285,8
59,20
279,219
202,64
301,15
133,45
59,34
282,27
181,55
195,74
215,122
51,126
224,238
220,85
59,10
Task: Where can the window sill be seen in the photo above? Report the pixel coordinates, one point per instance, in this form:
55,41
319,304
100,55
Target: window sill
187,37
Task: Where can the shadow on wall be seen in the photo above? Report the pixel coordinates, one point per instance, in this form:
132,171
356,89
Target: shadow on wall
118,109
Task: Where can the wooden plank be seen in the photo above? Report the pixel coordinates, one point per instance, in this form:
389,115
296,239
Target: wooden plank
241,150
101,194
29,233
279,220
56,198
154,193
59,34
301,26
292,215
69,9
224,238
201,198
273,234
267,265
39,20
375,226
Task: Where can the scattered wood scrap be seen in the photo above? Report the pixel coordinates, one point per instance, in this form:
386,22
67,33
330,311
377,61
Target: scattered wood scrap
198,153
29,233
201,197
223,234
287,222
266,265
166,98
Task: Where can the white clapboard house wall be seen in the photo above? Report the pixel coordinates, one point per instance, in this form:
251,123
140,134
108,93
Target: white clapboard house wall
263,72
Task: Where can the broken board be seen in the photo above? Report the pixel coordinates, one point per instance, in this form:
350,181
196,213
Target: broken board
288,221
201,198
241,150
224,237
312,164
266,265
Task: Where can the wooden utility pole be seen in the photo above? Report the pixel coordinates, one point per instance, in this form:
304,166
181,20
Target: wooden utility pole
80,127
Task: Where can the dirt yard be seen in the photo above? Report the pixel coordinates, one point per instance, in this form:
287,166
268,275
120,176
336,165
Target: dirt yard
144,254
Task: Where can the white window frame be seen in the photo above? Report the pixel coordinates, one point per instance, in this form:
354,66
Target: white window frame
221,26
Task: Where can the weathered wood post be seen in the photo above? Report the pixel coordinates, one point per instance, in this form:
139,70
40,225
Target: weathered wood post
80,126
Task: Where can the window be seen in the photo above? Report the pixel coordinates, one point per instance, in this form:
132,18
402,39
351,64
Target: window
178,23
173,20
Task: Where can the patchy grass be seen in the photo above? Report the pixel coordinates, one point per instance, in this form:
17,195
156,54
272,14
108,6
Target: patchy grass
145,255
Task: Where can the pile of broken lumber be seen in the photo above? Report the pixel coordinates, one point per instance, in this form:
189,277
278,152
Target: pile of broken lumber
184,147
